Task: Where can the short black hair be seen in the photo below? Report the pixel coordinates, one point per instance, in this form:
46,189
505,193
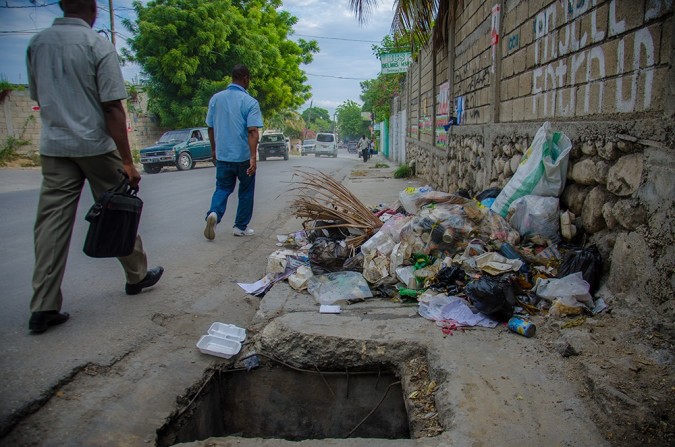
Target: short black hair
76,6
240,71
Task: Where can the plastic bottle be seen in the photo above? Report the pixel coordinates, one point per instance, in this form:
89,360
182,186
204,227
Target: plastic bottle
522,327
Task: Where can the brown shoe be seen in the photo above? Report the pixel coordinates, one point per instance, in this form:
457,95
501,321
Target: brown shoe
40,321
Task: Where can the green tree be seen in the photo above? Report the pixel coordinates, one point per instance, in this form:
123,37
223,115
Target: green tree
349,122
313,114
187,49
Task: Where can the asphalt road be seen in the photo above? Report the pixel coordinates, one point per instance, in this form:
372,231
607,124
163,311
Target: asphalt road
107,327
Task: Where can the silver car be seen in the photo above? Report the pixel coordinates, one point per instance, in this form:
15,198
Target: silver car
308,147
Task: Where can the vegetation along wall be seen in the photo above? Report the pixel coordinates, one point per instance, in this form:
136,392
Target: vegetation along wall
601,72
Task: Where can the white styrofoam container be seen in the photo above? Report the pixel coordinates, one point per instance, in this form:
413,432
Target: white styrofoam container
218,346
229,331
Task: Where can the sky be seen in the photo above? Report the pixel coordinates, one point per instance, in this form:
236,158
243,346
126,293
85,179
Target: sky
344,60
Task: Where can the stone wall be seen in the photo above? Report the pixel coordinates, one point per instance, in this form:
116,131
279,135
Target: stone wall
601,72
20,119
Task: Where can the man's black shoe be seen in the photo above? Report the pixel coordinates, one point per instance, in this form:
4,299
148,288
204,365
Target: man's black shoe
40,321
150,280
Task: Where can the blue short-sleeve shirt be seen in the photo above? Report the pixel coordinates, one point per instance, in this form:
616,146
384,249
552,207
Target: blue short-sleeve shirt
231,112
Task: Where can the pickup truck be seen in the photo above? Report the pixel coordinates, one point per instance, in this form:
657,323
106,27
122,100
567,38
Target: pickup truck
273,145
181,148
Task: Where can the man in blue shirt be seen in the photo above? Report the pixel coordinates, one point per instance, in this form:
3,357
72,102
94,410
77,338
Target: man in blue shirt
233,119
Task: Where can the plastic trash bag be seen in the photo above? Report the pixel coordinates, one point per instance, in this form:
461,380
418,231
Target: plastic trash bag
375,268
327,255
542,170
490,193
570,287
495,297
496,264
354,263
394,225
299,279
408,197
536,215
495,227
444,308
381,243
588,261
336,286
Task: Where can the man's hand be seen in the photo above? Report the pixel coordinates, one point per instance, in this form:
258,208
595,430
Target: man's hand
134,176
251,167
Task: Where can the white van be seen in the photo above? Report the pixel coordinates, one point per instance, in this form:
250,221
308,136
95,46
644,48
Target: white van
326,144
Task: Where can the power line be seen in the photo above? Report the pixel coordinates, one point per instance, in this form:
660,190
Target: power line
335,77
29,6
336,38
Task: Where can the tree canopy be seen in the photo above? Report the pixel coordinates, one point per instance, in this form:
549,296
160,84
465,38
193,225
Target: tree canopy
313,114
187,49
349,122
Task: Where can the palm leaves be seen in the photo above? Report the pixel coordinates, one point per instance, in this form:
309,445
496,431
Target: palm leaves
321,198
419,18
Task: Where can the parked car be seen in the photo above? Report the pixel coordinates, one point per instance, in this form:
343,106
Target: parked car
326,144
308,147
181,148
352,146
273,145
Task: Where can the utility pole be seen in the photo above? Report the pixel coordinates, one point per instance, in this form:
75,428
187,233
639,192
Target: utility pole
112,22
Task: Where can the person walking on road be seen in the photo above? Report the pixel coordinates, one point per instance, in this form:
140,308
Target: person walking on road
364,147
233,120
75,77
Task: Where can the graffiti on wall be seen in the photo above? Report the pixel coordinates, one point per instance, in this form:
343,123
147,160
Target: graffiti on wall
550,80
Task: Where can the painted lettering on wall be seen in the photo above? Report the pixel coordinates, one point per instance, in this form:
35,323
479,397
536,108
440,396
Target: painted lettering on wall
554,83
513,42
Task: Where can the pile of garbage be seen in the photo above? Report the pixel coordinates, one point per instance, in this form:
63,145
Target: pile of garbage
466,261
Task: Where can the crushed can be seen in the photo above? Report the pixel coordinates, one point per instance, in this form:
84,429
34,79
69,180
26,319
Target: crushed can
522,327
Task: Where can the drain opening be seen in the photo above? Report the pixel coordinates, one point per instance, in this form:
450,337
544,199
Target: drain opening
279,402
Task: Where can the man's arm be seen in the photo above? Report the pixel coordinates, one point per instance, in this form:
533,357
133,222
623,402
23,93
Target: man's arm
116,123
212,141
253,137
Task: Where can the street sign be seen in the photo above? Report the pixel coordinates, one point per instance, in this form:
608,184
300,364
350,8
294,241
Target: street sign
395,62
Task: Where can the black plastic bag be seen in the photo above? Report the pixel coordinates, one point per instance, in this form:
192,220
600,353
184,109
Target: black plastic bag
327,255
354,264
490,193
588,261
494,297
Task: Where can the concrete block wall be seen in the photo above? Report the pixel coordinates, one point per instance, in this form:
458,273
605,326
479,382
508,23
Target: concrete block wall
19,120
601,72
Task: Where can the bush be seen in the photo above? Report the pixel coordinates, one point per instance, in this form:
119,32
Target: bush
403,171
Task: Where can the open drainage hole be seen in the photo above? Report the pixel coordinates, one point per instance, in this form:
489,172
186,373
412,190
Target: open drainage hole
279,402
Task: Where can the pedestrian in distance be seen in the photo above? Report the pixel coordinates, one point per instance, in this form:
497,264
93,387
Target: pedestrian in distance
75,77
364,147
233,120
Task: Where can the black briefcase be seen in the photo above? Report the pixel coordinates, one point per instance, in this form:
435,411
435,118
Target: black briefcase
114,220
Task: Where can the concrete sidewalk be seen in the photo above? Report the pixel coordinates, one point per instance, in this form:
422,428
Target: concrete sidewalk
493,387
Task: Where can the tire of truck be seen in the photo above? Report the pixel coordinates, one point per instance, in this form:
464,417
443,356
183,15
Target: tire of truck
152,169
263,157
184,162
286,156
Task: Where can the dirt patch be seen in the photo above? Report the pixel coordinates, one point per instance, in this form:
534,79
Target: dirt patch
622,364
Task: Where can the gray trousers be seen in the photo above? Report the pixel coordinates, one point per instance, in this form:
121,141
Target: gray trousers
62,182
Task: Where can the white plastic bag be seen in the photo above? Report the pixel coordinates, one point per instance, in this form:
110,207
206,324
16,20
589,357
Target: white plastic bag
571,287
381,243
536,215
542,170
408,197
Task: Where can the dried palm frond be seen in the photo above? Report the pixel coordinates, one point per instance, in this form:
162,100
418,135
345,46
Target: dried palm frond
319,197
